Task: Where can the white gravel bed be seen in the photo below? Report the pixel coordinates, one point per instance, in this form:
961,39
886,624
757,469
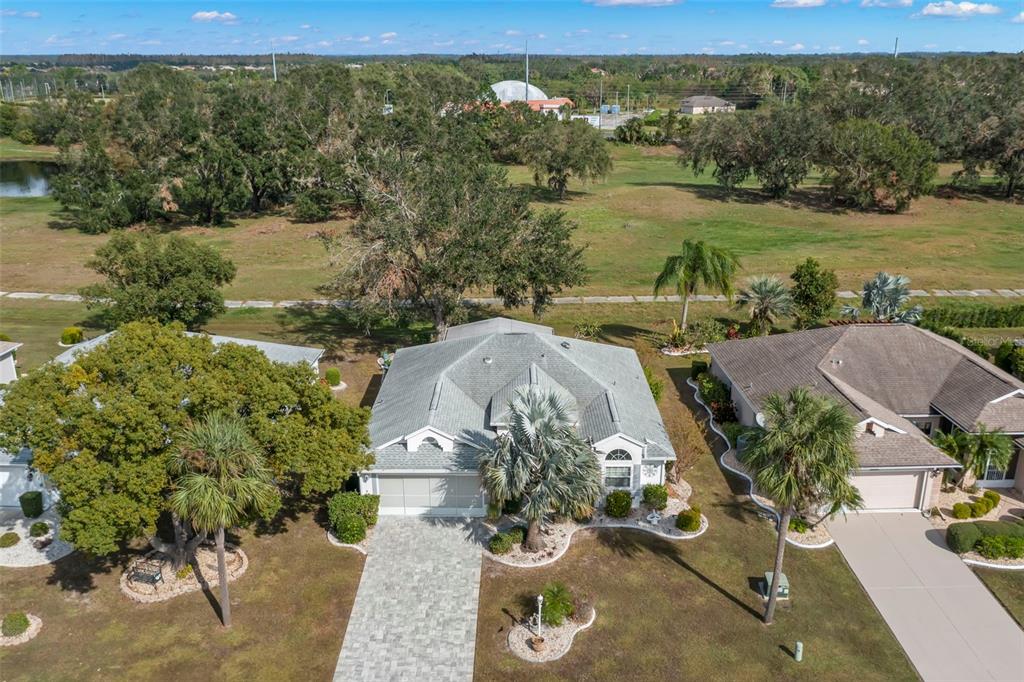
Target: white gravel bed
35,624
557,640
25,553
173,586
1010,507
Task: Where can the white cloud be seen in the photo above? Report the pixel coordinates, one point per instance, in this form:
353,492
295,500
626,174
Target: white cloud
834,48
540,36
59,40
215,16
363,39
151,41
797,4
30,15
863,41
306,27
726,43
16,13
390,35
778,42
117,36
618,36
707,50
8,12
886,3
931,46
324,43
632,3
286,39
471,41
443,43
958,9
1019,19
513,32
796,47
743,46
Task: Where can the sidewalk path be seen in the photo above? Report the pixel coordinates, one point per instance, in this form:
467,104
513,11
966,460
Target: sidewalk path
560,300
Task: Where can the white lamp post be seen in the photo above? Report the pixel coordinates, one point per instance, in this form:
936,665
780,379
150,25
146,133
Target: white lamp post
540,610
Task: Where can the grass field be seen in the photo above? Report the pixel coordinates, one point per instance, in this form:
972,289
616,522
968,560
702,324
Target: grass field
15,151
1008,588
630,223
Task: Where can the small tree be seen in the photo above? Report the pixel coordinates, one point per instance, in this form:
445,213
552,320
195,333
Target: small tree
886,297
802,460
697,264
768,300
814,292
723,142
542,461
167,278
559,150
220,480
976,451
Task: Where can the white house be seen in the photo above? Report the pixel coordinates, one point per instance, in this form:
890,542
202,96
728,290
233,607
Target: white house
8,369
705,104
440,403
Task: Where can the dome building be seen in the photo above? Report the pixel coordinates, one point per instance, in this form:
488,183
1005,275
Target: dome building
517,91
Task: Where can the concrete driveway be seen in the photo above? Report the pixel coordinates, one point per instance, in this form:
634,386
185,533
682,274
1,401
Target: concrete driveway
949,624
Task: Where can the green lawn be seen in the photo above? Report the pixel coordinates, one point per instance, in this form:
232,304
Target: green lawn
16,151
1008,588
630,222
290,610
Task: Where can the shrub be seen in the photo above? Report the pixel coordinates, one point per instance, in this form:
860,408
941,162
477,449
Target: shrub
656,385
688,521
974,314
558,604
364,506
704,331
9,539
586,329
71,335
517,533
314,205
493,511
31,503
1008,528
500,543
979,509
512,506
961,537
14,624
976,346
350,528
733,431
994,496
618,503
711,388
1001,547
39,529
183,572
697,368
333,376
798,524
961,510
656,496
1009,357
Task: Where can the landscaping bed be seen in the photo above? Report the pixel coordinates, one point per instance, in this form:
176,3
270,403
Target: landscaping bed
185,581
32,550
35,624
557,640
1010,507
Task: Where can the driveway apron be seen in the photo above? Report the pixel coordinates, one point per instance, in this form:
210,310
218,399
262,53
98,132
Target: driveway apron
950,625
414,616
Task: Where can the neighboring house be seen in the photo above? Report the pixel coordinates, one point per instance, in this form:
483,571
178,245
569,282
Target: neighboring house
8,368
705,104
17,477
900,382
277,352
440,403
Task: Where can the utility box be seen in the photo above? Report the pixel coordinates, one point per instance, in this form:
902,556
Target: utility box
783,585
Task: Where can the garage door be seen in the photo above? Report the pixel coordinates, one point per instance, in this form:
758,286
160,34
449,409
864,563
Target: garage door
889,491
431,495
13,482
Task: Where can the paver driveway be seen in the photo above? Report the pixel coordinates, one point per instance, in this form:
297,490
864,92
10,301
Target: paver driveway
951,627
414,616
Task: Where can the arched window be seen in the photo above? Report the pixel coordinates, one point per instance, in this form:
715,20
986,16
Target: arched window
618,456
618,475
430,440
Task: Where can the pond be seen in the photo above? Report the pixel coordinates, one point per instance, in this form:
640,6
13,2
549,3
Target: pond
26,178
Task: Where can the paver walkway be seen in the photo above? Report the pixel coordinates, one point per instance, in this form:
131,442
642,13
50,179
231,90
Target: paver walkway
414,617
950,625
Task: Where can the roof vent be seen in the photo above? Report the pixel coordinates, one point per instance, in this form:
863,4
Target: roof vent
565,344
488,359
435,398
837,362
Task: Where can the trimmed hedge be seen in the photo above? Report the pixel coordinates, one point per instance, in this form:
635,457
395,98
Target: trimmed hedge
500,543
618,503
31,503
9,539
333,376
994,496
39,529
1013,529
364,506
974,314
688,521
71,335
14,624
656,496
961,537
961,510
350,528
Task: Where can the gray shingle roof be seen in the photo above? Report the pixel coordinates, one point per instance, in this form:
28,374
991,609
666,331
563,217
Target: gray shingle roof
494,325
705,101
8,346
277,352
469,380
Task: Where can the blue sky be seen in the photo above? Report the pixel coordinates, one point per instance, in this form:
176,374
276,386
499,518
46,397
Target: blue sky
552,26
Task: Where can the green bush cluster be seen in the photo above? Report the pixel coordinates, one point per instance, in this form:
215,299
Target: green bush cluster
71,335
39,529
733,431
983,505
333,376
314,205
961,510
798,524
697,368
656,385
618,503
974,314
586,329
500,543
351,514
717,396
14,624
963,537
559,604
517,533
9,539
688,520
1001,547
656,496
31,503
993,496
1009,357
974,345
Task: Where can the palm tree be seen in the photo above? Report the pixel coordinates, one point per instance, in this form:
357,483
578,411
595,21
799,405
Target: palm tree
976,451
768,298
543,461
220,479
697,264
802,460
885,296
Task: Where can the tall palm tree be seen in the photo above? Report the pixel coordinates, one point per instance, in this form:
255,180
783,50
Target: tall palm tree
768,299
543,461
885,297
802,460
697,264
220,479
976,451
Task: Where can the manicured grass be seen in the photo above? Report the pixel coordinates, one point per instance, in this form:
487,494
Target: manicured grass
630,222
16,151
290,610
1008,588
688,610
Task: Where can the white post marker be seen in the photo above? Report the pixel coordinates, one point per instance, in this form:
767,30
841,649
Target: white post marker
799,654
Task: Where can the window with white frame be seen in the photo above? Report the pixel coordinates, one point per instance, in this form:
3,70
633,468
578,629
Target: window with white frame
618,469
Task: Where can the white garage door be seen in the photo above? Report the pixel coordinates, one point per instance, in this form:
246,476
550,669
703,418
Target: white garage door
13,482
431,495
889,491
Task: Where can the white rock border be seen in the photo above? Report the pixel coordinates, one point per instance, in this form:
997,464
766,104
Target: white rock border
520,630
361,547
721,460
195,586
35,624
988,564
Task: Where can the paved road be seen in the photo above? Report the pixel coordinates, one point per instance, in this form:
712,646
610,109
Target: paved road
950,625
414,617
